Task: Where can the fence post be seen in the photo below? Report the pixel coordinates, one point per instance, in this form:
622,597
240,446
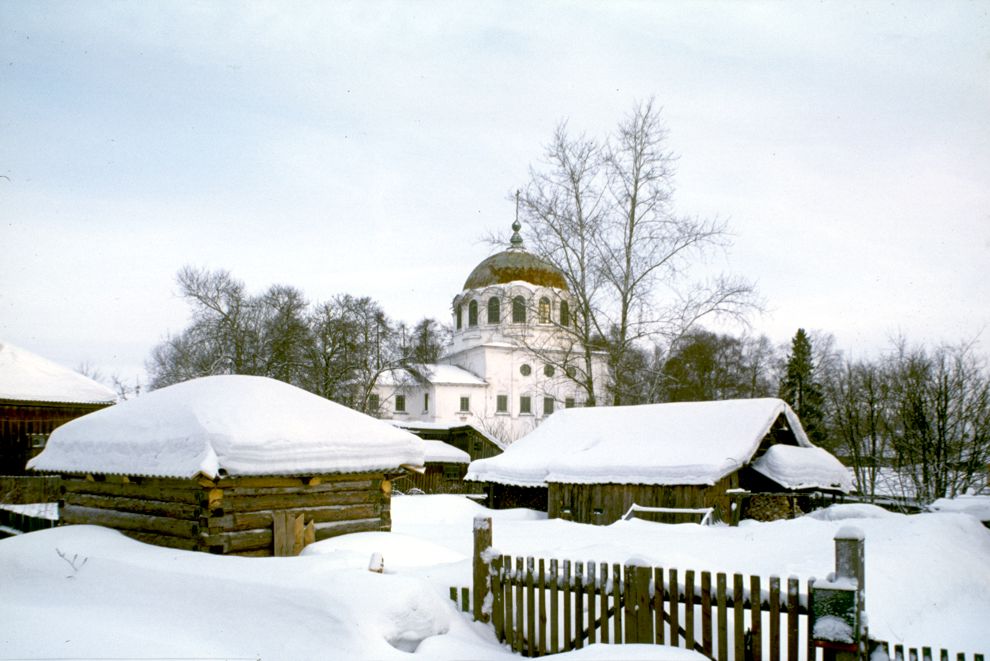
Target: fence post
482,553
839,603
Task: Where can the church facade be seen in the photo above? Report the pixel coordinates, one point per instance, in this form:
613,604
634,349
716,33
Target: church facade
513,359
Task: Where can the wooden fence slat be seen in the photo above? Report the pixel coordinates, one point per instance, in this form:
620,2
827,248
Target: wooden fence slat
519,633
604,600
508,621
592,594
567,605
554,608
689,609
658,604
465,600
737,617
812,651
498,607
579,605
542,587
793,597
530,607
723,618
774,641
756,617
644,615
617,596
675,609
629,601
706,612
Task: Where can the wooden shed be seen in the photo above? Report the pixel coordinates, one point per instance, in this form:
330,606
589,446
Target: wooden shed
444,467
36,396
598,463
237,465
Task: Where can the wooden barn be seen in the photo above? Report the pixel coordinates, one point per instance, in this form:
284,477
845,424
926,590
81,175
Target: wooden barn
596,464
36,396
468,438
444,467
236,465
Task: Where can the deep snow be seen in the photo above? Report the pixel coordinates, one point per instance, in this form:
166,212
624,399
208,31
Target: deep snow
928,583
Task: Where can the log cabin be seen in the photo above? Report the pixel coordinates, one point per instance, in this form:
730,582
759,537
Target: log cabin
238,465
36,396
595,465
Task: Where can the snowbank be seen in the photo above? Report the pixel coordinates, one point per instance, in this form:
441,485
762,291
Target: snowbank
978,506
28,377
679,443
243,425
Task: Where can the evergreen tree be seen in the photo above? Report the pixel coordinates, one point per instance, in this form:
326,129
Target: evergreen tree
800,389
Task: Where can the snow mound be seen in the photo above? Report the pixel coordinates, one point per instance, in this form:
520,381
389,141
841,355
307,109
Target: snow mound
978,506
842,512
242,425
397,550
26,376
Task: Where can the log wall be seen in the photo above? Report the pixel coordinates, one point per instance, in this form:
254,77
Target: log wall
434,481
227,515
603,504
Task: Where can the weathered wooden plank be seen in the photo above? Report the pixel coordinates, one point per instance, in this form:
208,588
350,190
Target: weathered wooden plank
631,635
689,609
244,540
554,607
674,613
70,514
811,651
793,595
180,493
603,599
334,528
568,632
268,482
282,533
509,622
184,543
530,607
300,500
579,630
737,616
176,510
542,615
756,616
723,618
465,600
592,587
706,612
774,639
658,605
520,632
644,615
498,607
617,599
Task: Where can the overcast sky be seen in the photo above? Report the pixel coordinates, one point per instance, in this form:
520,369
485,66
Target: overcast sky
368,147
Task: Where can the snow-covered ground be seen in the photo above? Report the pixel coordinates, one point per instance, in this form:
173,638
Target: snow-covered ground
84,591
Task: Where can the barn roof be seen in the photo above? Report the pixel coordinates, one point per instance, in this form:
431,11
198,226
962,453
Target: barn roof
677,443
239,425
27,377
440,452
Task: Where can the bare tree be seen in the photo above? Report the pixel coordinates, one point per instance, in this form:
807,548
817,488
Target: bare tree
602,213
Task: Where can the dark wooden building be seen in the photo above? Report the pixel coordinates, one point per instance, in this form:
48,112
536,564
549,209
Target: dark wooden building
36,396
672,462
230,465
444,467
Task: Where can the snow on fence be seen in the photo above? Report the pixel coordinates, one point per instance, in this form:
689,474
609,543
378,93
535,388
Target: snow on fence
540,606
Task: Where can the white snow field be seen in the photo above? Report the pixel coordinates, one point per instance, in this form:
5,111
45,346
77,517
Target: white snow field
84,591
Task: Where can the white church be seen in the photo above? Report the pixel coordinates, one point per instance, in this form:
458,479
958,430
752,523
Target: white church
511,361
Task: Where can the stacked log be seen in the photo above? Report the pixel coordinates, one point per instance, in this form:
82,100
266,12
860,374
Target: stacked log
227,515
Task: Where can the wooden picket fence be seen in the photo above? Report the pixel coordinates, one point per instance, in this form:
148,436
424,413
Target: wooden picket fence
543,607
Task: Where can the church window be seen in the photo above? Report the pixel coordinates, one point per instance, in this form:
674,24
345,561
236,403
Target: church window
526,404
548,370
457,313
525,369
565,314
373,402
494,310
547,405
465,404
571,372
426,402
502,404
451,472
519,310
400,403
473,313
568,402
544,310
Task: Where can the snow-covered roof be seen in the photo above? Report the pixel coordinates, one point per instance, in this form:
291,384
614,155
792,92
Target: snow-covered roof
677,443
440,452
795,467
433,373
25,376
243,425
441,425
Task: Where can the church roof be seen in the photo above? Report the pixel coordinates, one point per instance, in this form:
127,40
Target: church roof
515,264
